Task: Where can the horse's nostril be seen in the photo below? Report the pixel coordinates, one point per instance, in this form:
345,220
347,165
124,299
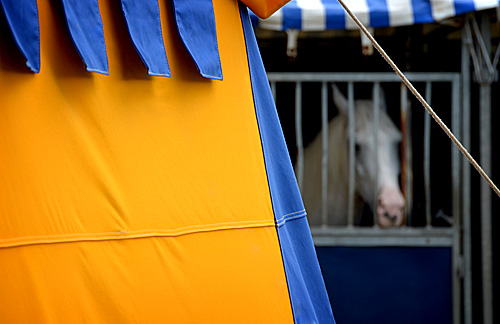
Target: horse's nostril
392,218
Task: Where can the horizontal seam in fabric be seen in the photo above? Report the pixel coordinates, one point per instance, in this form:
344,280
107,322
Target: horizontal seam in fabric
288,217
299,212
124,234
294,213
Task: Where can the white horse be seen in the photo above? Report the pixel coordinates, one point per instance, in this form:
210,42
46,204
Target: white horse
389,204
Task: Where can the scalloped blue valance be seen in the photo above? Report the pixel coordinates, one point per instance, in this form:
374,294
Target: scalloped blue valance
198,34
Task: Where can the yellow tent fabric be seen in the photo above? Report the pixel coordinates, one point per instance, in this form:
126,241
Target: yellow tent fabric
129,198
155,190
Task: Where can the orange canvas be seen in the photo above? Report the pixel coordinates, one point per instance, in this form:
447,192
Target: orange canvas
103,174
134,198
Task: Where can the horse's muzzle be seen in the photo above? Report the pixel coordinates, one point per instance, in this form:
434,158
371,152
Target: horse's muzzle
390,207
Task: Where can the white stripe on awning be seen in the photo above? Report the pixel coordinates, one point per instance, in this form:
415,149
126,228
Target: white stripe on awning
442,9
317,15
360,7
313,14
404,9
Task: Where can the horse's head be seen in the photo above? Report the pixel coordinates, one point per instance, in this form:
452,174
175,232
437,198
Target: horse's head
376,183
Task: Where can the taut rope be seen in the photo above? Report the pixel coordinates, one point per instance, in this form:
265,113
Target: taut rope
421,99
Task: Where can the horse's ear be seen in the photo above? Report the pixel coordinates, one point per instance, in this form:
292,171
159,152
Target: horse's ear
339,100
383,103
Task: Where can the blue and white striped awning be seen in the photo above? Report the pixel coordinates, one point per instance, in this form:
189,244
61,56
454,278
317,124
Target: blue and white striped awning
318,15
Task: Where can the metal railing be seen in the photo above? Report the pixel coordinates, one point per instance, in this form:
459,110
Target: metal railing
377,78
410,236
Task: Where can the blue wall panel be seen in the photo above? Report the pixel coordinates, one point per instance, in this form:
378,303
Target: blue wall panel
388,285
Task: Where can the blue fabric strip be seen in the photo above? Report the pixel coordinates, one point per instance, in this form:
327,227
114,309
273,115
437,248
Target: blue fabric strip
308,294
422,11
196,24
307,290
379,13
85,26
335,14
143,22
22,17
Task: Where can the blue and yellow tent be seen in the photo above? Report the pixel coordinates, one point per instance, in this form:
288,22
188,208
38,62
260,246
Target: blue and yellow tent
157,189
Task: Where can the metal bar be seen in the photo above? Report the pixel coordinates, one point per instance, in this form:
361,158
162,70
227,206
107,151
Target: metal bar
324,160
470,46
455,185
352,156
370,237
273,89
427,157
466,208
485,153
495,59
485,157
359,77
406,152
485,48
298,134
376,117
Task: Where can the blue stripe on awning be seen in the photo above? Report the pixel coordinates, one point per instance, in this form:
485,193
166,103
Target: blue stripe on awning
422,11
334,12
85,26
292,16
143,21
464,6
196,24
379,13
308,296
22,17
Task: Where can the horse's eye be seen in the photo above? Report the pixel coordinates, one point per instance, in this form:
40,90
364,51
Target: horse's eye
357,148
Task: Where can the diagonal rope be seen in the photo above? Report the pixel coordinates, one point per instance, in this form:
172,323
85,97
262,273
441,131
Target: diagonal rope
421,99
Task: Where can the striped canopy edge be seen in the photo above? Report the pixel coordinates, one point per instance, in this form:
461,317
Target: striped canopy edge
319,15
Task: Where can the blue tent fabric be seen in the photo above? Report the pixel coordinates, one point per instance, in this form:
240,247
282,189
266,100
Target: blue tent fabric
143,21
85,26
306,287
22,17
196,24
318,15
